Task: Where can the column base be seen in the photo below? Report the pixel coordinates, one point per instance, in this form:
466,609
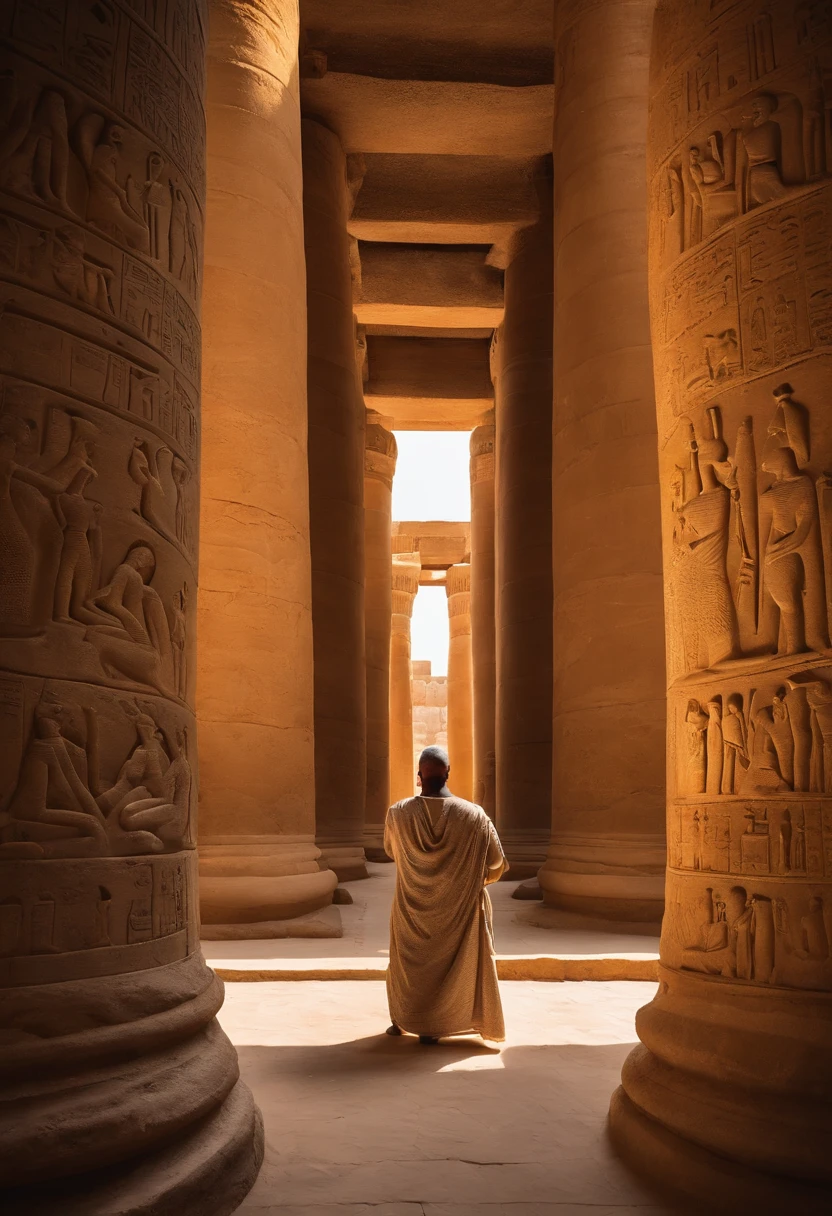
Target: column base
123,1095
525,849
348,861
374,843
684,1171
245,880
615,878
210,1170
737,1070
326,922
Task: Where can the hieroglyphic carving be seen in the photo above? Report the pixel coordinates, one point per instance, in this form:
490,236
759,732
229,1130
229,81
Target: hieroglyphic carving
741,292
762,931
746,572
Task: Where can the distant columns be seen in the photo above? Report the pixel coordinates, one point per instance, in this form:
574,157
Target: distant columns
379,467
482,615
258,858
406,570
336,508
523,367
607,853
460,682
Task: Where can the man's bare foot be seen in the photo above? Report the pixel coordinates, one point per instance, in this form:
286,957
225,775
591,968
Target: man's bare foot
394,1030
428,1040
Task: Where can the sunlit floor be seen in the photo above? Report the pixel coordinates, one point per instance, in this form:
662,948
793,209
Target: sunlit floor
366,935
357,1122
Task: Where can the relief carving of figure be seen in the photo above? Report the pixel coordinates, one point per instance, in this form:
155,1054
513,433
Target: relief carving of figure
819,697
151,468
735,745
108,202
80,565
34,147
184,257
761,139
178,640
75,274
697,724
137,643
763,773
54,805
793,575
715,748
700,576
782,736
29,533
157,206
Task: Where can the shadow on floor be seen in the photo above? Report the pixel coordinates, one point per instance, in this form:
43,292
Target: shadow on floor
458,1127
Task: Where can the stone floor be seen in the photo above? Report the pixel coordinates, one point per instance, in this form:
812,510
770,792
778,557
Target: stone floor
588,949
357,1122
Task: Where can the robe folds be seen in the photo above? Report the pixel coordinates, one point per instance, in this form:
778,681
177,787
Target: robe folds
442,977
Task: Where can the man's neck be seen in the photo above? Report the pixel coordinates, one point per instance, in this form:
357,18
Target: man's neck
432,792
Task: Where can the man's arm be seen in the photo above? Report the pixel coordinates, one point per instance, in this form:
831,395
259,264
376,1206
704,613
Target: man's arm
495,860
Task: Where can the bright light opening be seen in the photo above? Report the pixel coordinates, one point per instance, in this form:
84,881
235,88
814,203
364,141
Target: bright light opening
431,480
429,629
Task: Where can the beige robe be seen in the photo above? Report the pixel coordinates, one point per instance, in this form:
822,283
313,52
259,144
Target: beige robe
442,977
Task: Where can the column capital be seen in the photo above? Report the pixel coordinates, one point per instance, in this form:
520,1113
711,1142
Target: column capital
458,580
482,453
407,568
380,452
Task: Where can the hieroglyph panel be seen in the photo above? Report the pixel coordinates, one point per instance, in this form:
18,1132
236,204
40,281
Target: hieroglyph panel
101,215
741,307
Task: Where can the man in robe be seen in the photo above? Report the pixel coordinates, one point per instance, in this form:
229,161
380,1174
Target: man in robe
442,978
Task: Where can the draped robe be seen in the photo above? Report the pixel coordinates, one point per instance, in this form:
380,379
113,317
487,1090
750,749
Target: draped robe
442,977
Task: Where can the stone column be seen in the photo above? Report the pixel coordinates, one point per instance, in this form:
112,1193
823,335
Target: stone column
258,858
483,641
379,466
121,1092
406,571
607,852
460,682
336,508
737,1056
524,542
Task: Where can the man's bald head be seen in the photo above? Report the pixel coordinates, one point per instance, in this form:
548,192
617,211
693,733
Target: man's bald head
434,767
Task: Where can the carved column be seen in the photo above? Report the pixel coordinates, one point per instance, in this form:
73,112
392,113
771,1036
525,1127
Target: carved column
258,858
483,639
379,467
607,852
115,1064
737,1055
406,570
524,543
336,508
460,682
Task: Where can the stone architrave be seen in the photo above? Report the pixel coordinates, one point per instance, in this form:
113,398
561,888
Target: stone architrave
483,641
406,570
121,1092
523,365
736,1053
460,681
379,467
607,852
336,507
258,858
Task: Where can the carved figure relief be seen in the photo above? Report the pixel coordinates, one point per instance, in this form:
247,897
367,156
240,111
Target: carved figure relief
759,743
63,806
765,935
748,563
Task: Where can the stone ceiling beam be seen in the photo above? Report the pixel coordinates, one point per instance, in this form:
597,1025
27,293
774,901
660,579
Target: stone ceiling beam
431,116
429,383
445,200
501,41
418,286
